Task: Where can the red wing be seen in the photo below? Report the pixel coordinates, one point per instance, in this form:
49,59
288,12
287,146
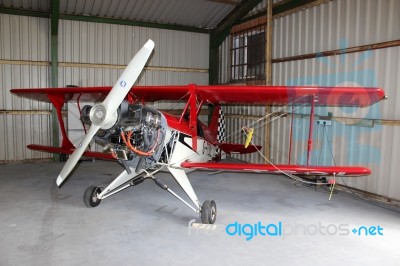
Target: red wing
93,94
274,95
280,169
84,94
282,95
51,149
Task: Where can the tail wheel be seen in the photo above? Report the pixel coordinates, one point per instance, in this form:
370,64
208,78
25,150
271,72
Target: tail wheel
208,212
90,196
63,157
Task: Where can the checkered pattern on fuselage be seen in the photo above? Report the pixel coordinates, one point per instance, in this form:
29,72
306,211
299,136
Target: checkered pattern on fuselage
221,134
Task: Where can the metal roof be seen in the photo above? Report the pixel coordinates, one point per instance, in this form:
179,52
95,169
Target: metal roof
205,14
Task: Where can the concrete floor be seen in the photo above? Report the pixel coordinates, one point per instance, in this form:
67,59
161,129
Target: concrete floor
42,225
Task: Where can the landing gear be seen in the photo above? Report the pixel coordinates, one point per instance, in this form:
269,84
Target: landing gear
90,196
208,212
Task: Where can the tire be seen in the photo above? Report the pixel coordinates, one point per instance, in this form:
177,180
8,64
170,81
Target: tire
90,196
209,212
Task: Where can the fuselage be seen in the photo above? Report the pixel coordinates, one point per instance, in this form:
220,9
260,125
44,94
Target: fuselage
146,138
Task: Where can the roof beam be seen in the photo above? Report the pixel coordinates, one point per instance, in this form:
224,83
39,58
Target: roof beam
286,7
289,5
227,2
24,12
133,23
42,14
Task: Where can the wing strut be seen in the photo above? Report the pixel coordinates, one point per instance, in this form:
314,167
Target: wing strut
58,101
311,129
291,135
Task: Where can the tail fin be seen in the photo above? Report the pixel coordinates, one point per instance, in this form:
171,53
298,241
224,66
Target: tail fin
217,124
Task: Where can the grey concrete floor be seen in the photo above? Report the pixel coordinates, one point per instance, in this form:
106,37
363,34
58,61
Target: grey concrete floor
144,225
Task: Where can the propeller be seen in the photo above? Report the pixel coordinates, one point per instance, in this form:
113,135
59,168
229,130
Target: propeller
104,115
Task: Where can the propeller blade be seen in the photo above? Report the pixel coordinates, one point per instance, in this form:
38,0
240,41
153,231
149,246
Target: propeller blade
127,79
103,115
76,155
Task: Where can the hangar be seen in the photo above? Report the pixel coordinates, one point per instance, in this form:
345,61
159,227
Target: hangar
262,218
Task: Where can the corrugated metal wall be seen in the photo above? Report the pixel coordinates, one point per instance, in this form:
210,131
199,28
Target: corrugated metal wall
338,25
224,72
96,43
103,48
24,39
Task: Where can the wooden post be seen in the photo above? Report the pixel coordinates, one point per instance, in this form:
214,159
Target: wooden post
356,49
268,74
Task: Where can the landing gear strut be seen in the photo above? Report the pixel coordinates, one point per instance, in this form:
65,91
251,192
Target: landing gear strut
208,211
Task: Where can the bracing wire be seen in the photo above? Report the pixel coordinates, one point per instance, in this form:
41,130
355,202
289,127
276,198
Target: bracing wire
286,173
329,145
263,121
264,118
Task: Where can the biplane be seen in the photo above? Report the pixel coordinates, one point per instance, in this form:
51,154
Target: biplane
146,141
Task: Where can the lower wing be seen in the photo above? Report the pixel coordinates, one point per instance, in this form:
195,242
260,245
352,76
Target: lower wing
61,150
281,169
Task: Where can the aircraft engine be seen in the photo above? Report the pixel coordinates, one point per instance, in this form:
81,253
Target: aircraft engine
138,132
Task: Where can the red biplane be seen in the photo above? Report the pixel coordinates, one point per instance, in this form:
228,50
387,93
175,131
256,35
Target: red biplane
145,141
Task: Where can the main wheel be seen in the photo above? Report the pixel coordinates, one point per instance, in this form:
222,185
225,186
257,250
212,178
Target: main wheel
90,196
208,212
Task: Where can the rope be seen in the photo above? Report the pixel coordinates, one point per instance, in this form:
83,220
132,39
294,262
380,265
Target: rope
285,173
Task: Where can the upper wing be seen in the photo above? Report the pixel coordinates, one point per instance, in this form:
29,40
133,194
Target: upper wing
281,169
282,95
274,95
94,94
